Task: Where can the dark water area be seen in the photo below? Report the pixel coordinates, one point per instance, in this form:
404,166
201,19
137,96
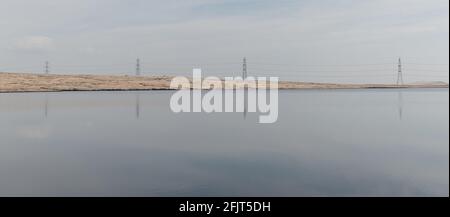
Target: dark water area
325,143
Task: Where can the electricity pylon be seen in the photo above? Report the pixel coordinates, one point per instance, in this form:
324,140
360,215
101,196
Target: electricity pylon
244,68
46,68
400,73
138,67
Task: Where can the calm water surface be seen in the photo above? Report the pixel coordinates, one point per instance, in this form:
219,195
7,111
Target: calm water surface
325,143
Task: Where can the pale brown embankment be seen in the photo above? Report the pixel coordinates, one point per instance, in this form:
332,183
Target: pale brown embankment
23,82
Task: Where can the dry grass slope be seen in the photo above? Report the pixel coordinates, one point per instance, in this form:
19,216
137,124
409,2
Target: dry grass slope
21,82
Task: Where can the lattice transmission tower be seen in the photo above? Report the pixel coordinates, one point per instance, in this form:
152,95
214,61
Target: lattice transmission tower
244,68
400,72
138,67
46,67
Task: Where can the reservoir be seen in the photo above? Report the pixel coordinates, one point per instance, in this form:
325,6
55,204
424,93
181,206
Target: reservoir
365,142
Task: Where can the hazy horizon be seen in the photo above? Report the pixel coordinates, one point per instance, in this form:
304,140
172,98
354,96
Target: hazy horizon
305,40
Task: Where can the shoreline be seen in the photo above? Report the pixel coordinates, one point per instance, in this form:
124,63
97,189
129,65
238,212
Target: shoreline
26,83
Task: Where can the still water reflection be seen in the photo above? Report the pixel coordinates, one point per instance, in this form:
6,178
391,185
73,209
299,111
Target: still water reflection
325,143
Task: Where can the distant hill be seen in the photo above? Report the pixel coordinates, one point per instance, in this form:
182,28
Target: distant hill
22,82
433,83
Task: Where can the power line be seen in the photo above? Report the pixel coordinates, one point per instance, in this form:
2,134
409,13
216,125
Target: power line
323,71
427,70
279,69
429,64
321,65
332,76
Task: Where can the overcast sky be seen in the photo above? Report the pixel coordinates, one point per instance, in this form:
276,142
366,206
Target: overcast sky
326,40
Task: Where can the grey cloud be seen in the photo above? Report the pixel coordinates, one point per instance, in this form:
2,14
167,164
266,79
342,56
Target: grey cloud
112,33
